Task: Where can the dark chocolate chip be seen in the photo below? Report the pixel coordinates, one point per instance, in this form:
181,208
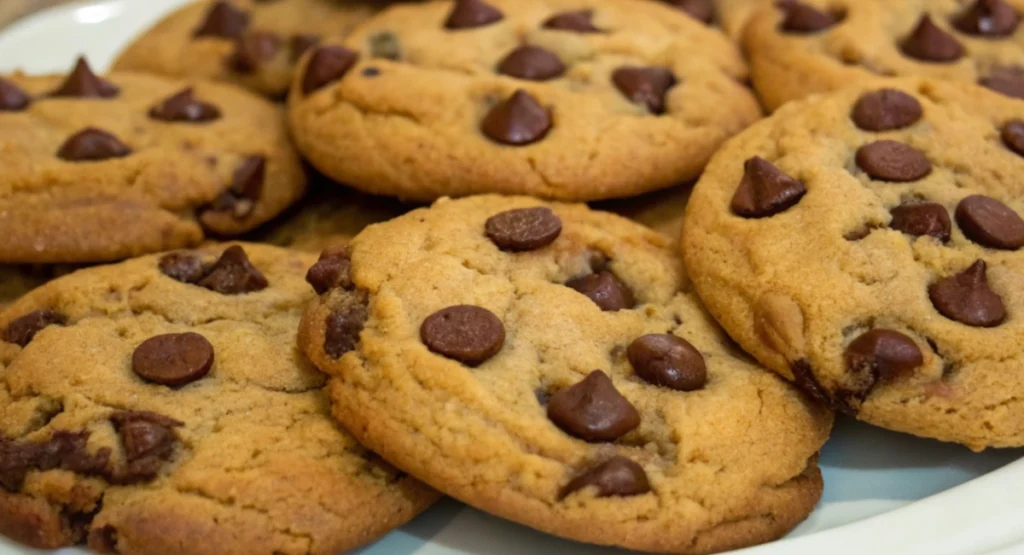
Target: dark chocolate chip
385,44
233,274
990,18
893,161
92,145
645,85
253,50
765,190
83,83
518,121
1013,136
64,449
616,477
1008,81
224,21
804,378
185,107
669,361
466,333
884,354
343,326
12,97
607,291
301,43
802,18
246,188
173,359
332,270
922,218
885,110
183,267
23,329
326,65
469,14
580,21
701,10
531,62
102,539
593,410
524,229
930,44
967,298
990,223
148,441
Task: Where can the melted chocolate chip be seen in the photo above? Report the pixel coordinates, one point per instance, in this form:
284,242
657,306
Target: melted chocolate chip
83,83
968,299
928,43
23,329
148,441
183,267
802,18
668,361
893,161
223,21
1013,136
607,291
470,14
92,145
233,274
990,223
1008,81
922,218
593,410
616,477
301,43
65,450
885,110
645,85
331,271
466,333
12,97
246,188
532,63
580,21
518,121
884,354
173,359
344,325
185,107
253,50
701,10
765,190
524,229
989,18
804,378
326,65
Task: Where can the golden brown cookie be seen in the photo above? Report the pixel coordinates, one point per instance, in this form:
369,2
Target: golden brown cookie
161,406
868,245
549,364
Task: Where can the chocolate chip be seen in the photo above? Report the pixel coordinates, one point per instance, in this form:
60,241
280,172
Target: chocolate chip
23,329
12,97
370,71
344,325
645,85
765,190
518,121
224,21
893,161
233,274
173,359
1013,136
252,50
668,361
1008,81
993,18
385,44
930,44
83,83
148,441
607,291
616,477
183,267
593,410
701,10
804,378
801,18
185,107
332,270
922,218
92,145
885,110
326,65
524,229
990,223
884,354
299,44
580,21
469,14
246,188
466,333
967,298
533,63
64,449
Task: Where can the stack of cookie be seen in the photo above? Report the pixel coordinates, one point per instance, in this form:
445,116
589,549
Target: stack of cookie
467,330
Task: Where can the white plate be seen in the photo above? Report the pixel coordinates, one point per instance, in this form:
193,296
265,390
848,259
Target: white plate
884,492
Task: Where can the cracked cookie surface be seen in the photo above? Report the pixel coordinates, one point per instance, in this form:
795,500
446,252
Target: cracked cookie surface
566,99
238,454
251,43
104,168
496,376
870,249
798,48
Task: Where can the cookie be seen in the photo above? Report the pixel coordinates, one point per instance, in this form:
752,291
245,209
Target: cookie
549,364
18,279
867,245
566,99
104,168
252,43
799,48
162,401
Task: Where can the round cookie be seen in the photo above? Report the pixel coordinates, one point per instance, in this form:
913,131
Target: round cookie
104,168
495,375
799,48
566,99
251,43
867,244
163,400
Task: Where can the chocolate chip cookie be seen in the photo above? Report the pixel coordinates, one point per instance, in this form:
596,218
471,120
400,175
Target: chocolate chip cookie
252,43
549,364
867,245
99,168
809,46
564,99
161,406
